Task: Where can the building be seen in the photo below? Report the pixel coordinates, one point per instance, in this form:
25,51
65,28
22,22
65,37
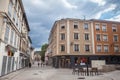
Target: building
37,56
30,50
14,41
81,41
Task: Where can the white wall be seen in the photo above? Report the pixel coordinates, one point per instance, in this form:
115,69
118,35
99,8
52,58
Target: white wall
98,63
1,64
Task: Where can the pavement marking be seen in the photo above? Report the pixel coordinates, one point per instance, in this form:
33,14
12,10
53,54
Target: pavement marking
35,74
81,78
40,71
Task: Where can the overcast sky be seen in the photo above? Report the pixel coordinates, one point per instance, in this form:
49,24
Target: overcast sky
42,14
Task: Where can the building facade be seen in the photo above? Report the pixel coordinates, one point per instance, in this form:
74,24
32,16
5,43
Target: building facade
80,41
14,41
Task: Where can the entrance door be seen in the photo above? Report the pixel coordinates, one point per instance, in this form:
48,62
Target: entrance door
9,64
4,65
64,63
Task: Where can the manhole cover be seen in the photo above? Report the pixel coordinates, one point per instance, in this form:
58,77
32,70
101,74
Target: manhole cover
81,78
40,72
35,74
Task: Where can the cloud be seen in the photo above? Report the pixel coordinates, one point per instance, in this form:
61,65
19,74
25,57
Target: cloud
68,5
99,2
115,18
110,8
43,13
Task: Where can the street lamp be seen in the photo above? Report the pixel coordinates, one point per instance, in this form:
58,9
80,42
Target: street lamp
87,67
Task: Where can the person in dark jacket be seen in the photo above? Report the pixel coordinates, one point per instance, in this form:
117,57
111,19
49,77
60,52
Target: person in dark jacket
29,65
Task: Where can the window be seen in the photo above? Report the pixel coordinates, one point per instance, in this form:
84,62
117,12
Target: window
114,28
105,48
15,40
62,47
98,37
16,21
86,36
116,48
62,27
75,26
76,36
7,34
98,48
115,38
105,38
87,49
10,8
62,36
18,42
11,39
97,27
104,28
14,17
20,25
15,3
86,26
76,47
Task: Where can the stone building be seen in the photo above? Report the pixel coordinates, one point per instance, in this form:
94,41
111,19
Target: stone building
14,41
81,41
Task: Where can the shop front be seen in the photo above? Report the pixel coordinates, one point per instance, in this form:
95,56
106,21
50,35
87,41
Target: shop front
69,61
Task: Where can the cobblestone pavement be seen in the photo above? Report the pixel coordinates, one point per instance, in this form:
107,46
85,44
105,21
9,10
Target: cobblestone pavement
49,73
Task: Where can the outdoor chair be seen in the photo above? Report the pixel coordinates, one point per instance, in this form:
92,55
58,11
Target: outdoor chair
82,71
75,70
94,71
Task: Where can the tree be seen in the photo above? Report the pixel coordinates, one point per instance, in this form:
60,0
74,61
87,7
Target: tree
43,50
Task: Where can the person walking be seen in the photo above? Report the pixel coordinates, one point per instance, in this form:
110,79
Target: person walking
38,64
41,64
29,65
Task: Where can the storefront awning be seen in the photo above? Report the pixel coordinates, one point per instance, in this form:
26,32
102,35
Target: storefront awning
10,48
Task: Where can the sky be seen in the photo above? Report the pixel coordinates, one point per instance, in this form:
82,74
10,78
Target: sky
42,14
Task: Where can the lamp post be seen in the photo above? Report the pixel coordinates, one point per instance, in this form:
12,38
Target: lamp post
87,67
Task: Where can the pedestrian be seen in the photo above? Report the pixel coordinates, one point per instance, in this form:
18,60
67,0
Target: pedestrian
38,64
29,65
41,64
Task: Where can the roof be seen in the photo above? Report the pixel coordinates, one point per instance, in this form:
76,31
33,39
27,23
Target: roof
104,20
30,39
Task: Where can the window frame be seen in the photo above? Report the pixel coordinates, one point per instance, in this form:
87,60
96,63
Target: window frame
104,26
115,40
7,32
97,27
117,49
76,48
100,48
114,28
107,47
86,36
62,27
62,48
86,28
62,36
104,37
76,36
87,46
99,37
